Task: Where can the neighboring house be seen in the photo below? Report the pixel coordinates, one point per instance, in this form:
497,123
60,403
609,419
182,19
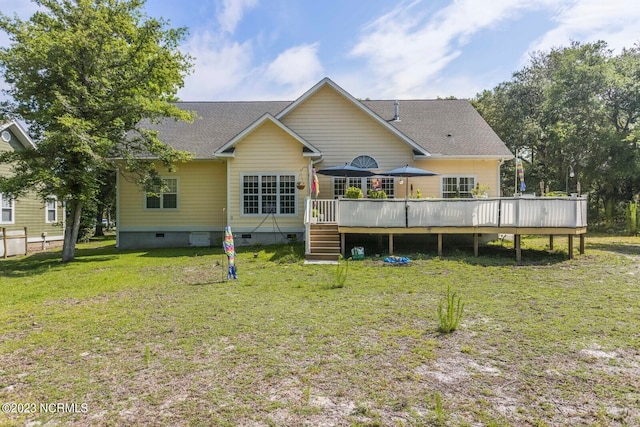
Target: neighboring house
43,220
249,156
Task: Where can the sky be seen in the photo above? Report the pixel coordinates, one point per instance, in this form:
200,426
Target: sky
377,49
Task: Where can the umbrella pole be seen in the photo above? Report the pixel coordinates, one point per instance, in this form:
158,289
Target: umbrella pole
406,205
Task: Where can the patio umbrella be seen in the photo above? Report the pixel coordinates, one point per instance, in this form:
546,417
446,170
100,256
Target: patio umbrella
346,171
230,250
406,172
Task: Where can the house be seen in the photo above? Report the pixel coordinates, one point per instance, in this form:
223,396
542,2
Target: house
43,220
249,158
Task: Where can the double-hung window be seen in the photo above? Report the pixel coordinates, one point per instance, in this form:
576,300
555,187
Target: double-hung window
165,197
51,210
6,209
457,186
264,194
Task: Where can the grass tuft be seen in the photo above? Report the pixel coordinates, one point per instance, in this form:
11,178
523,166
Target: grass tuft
450,312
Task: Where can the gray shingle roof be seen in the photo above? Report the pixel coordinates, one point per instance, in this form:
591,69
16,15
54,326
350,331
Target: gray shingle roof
216,123
441,127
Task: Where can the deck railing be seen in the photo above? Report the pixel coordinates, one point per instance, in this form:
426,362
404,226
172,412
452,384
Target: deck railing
522,212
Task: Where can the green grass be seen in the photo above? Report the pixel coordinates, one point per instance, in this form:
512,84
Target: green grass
160,338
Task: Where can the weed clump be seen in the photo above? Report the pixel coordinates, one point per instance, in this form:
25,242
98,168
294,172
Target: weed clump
450,312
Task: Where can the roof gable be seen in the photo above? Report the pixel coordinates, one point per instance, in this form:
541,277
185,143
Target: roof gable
226,149
438,128
326,82
16,131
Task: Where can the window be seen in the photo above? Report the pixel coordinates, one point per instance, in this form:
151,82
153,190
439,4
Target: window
6,210
364,162
457,186
165,197
387,186
340,186
269,194
51,210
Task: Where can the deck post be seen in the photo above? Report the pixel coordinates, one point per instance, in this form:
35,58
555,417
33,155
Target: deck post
582,244
517,243
475,244
550,242
342,248
4,241
570,236
390,243
440,245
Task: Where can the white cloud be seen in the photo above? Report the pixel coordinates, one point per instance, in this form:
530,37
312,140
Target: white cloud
220,66
296,66
226,69
407,49
614,21
232,13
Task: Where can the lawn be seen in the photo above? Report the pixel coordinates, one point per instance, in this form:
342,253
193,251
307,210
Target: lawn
160,338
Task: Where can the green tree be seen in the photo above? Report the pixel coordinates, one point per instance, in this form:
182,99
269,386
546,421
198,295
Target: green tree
84,75
575,107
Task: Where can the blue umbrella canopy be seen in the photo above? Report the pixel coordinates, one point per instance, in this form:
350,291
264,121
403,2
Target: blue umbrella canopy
346,171
408,171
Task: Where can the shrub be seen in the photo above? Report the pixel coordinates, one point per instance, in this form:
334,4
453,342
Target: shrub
450,312
377,194
479,190
556,194
353,193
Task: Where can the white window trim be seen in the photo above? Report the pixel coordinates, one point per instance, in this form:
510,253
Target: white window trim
458,176
55,210
13,211
162,208
277,175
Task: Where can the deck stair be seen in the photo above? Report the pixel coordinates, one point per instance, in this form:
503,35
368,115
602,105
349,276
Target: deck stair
324,243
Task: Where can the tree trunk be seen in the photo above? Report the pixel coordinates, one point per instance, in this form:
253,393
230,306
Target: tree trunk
71,230
99,215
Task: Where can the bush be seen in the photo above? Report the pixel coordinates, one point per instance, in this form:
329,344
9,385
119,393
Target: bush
479,190
353,193
556,194
377,194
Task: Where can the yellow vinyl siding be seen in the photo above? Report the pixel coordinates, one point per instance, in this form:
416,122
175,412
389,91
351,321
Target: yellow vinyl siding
342,131
267,150
484,171
202,192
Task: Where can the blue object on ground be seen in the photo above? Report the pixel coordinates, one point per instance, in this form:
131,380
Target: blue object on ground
397,260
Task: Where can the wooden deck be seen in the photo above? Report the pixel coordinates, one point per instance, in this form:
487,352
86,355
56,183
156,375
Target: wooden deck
517,216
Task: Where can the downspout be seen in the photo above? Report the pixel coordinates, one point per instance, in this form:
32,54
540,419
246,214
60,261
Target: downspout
228,195
500,163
